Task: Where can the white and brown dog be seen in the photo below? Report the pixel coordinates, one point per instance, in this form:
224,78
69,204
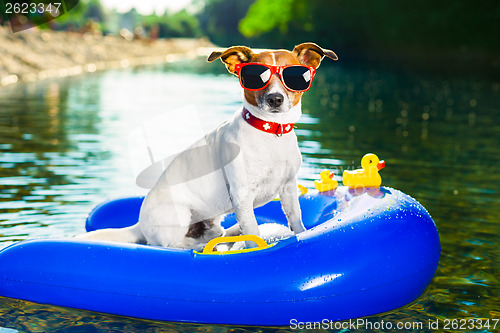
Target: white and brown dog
243,164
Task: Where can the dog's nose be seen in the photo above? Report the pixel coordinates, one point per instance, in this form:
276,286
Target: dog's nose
274,100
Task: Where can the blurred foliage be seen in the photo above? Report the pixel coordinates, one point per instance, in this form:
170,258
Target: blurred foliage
364,24
219,20
262,17
92,12
433,30
462,32
95,11
180,24
76,18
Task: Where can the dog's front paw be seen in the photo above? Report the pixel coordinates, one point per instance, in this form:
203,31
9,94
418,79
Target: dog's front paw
273,232
270,232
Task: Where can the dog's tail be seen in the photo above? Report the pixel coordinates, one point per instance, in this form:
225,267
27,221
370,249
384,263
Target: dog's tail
131,234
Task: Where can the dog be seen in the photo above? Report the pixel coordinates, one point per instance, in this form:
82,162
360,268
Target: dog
243,164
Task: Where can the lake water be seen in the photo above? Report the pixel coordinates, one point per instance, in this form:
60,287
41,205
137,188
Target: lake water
64,148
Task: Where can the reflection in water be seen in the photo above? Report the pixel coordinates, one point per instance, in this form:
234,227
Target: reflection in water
63,149
46,175
440,141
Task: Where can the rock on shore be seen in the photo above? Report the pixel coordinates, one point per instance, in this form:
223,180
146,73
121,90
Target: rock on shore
32,54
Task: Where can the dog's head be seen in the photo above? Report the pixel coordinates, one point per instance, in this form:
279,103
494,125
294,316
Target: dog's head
274,97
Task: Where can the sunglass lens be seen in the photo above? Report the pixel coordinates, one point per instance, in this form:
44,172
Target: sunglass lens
297,77
254,76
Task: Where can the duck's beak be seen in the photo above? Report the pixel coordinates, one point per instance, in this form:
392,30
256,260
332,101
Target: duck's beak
381,165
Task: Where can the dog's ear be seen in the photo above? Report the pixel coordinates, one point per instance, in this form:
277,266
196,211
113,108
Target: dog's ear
232,56
311,54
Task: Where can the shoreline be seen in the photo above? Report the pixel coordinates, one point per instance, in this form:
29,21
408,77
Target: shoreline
33,54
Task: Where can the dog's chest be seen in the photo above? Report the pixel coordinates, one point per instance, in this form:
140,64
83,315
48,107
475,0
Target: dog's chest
270,164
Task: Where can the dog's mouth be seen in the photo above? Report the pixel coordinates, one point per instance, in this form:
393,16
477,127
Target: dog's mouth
274,110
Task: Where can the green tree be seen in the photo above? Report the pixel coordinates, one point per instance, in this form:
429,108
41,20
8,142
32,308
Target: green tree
219,20
264,16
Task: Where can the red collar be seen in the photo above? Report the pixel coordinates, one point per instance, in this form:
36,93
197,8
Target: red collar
267,126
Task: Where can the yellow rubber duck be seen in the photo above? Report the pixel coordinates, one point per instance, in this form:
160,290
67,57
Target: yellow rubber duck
326,182
366,177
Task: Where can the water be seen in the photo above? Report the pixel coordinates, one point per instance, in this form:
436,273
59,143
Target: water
63,149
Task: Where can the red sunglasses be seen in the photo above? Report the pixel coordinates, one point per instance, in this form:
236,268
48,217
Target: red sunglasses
255,76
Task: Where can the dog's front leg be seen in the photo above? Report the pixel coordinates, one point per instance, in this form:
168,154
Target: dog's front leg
242,198
247,221
290,202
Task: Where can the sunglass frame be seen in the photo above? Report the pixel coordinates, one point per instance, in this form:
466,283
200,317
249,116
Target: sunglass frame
274,70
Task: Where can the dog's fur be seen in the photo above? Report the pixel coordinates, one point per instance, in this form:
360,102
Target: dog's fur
184,209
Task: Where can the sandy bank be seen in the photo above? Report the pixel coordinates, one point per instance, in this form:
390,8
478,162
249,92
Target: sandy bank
32,55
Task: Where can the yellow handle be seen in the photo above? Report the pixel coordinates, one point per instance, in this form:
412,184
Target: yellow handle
209,248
